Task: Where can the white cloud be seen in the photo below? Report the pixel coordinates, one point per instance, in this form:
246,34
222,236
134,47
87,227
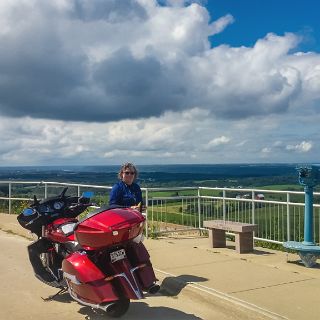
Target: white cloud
219,25
175,137
96,81
304,146
218,141
110,60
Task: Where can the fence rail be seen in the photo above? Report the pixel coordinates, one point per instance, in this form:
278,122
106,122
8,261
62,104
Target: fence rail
278,214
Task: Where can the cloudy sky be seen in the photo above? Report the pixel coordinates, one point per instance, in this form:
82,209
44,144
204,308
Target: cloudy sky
170,81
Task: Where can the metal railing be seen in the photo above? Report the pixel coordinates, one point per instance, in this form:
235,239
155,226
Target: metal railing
278,214
16,194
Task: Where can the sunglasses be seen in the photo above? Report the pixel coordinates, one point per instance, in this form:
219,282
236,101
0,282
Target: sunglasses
129,172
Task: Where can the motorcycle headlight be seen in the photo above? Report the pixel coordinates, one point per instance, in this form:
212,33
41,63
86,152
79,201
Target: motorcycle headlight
68,228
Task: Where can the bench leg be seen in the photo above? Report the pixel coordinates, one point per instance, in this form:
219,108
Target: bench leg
217,238
244,242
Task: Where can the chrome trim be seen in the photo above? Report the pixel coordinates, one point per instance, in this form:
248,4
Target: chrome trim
88,304
71,277
123,275
135,268
134,278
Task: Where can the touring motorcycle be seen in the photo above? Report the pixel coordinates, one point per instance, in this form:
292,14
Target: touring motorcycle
99,259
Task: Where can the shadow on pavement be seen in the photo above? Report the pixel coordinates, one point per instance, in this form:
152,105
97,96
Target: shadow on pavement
141,310
138,310
299,263
172,286
260,252
61,297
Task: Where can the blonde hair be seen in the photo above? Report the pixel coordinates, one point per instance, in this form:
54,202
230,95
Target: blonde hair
130,166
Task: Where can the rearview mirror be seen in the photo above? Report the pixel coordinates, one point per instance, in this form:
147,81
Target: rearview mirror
27,212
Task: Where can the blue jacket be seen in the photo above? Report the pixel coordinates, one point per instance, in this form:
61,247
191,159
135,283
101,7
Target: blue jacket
124,195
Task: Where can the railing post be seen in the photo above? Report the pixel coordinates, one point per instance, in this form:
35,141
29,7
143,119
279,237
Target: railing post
78,191
45,190
224,204
253,207
199,208
288,216
146,213
9,197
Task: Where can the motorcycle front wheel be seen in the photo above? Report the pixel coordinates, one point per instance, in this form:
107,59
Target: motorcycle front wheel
119,308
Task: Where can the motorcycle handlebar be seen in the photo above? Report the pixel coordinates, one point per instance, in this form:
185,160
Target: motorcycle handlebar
77,205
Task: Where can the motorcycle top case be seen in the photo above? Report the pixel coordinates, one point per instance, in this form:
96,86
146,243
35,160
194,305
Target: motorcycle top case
109,227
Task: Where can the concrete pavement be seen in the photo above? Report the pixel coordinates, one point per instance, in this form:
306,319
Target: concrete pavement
272,283
265,284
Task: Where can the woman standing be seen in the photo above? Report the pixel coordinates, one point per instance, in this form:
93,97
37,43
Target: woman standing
126,192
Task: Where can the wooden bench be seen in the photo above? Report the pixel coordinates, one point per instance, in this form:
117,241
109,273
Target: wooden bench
243,234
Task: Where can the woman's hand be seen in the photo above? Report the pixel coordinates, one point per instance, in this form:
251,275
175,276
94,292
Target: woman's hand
139,207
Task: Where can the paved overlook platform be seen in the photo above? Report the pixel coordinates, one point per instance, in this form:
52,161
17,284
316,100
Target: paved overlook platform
265,284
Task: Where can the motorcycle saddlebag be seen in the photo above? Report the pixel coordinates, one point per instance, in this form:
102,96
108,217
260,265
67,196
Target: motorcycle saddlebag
138,254
86,280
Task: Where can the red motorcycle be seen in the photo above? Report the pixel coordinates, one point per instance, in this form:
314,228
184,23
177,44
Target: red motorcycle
100,260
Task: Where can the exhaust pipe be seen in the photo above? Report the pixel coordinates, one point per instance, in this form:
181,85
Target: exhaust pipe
108,307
